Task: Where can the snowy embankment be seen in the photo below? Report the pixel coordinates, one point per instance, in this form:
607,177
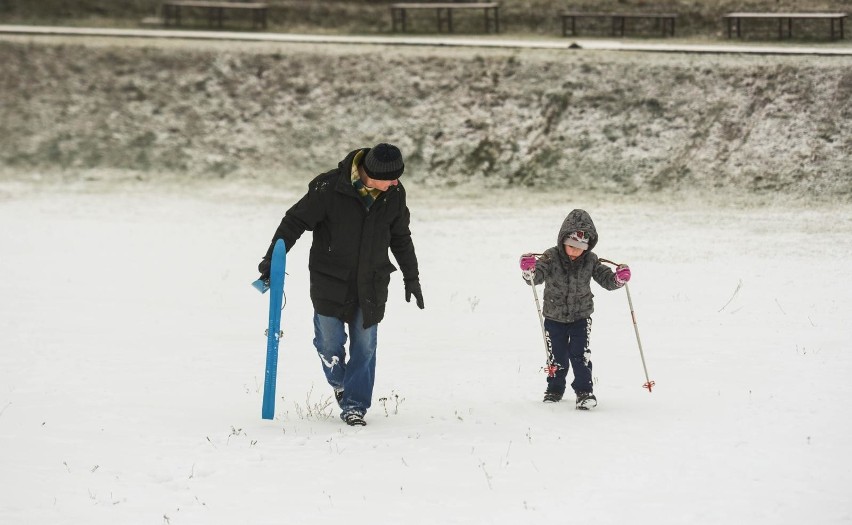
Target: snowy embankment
591,120
132,348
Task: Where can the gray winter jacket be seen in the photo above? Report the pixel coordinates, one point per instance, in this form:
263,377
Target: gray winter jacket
568,293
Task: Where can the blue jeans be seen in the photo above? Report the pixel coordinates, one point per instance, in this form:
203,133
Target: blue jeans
356,375
570,345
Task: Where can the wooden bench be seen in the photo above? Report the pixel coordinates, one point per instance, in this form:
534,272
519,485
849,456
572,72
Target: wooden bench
735,20
444,13
174,9
665,21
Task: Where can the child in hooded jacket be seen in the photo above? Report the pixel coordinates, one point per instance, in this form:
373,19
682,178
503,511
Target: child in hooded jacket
566,271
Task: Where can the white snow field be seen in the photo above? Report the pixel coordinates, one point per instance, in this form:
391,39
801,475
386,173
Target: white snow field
132,357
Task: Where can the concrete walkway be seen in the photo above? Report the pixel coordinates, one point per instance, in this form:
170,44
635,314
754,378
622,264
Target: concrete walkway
438,41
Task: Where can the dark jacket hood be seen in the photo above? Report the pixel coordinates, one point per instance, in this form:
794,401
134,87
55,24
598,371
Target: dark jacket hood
346,164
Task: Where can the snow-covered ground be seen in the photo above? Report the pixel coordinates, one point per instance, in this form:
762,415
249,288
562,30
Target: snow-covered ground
132,355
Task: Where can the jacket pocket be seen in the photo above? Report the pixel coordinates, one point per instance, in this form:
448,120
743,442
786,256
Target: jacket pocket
381,281
386,269
329,281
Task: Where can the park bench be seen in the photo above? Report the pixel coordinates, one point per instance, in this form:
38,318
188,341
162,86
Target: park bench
735,20
444,13
663,21
215,11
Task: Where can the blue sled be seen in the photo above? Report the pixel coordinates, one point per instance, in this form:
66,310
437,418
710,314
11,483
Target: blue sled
273,332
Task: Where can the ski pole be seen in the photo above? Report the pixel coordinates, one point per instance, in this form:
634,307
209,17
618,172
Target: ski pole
548,354
648,383
551,368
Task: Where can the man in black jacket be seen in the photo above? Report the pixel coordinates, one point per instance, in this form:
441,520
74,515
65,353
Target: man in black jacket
356,212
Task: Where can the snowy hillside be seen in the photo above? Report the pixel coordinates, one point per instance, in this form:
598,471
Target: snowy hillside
620,122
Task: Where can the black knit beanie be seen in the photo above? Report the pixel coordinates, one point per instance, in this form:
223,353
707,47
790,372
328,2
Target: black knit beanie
384,162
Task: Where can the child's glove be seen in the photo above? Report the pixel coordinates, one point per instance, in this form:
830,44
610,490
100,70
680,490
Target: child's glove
528,262
622,274
528,266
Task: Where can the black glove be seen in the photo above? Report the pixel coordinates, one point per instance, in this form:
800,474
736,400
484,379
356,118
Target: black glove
412,287
264,268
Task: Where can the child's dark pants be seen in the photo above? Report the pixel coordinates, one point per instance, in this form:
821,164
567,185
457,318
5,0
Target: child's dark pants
569,343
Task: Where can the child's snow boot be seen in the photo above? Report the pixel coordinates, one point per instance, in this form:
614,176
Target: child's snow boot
552,396
586,400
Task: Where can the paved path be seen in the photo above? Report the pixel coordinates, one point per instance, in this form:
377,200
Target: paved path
438,41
